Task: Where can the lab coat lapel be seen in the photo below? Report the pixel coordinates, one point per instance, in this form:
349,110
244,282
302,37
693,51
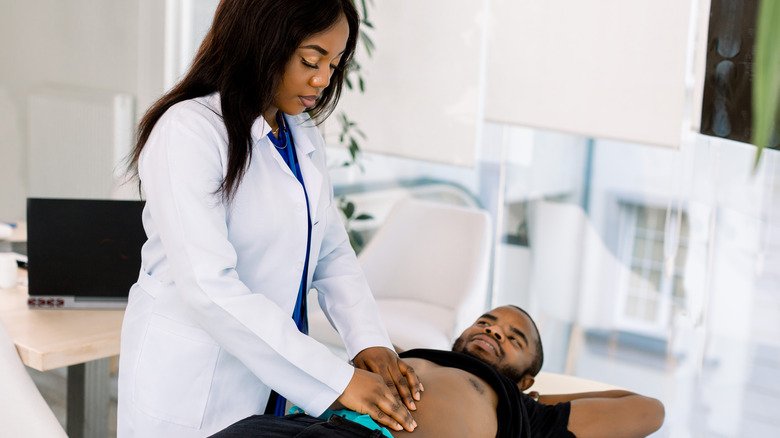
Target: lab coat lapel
260,130
304,148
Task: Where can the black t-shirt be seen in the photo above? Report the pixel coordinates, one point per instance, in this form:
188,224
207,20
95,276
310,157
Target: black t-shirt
519,416
547,421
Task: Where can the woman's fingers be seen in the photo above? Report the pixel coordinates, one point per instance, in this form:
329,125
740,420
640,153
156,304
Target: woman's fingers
368,394
413,382
399,377
396,376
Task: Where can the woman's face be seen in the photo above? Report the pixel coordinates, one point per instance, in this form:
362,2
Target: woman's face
309,70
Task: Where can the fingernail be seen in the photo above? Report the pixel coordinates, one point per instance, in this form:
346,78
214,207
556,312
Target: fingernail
417,395
412,405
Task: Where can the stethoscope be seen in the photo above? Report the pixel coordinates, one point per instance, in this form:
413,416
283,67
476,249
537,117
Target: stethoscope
286,137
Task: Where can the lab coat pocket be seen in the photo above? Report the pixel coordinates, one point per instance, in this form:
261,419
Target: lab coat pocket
317,233
175,372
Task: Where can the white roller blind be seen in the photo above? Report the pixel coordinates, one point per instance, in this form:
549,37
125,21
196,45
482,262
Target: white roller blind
600,68
423,82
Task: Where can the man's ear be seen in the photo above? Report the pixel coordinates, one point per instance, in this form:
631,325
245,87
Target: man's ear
525,382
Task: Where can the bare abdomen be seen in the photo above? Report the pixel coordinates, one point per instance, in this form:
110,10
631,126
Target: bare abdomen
454,404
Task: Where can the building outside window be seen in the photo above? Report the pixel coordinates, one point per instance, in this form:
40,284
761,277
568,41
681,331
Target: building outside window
647,294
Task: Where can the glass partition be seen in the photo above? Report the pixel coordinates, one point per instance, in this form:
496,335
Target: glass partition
652,269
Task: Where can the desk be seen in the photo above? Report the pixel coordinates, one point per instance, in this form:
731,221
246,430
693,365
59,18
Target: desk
82,340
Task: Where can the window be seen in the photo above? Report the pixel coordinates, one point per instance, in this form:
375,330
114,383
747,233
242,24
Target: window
187,22
647,292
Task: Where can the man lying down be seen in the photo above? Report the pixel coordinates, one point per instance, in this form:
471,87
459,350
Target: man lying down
475,391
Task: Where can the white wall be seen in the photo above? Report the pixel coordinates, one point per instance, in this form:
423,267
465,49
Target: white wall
435,69
12,160
543,163
424,82
97,44
601,68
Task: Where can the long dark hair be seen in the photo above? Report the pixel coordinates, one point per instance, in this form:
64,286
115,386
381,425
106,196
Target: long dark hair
243,57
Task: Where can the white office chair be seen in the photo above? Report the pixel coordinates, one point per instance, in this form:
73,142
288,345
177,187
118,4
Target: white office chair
428,268
23,411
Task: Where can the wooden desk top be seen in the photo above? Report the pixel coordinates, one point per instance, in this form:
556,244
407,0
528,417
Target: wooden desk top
52,338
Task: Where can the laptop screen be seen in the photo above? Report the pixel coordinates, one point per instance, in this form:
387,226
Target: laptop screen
83,253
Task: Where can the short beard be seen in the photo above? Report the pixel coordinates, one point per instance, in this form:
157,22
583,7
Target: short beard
508,370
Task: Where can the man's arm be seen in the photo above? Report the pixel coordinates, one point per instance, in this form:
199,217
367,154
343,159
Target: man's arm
606,414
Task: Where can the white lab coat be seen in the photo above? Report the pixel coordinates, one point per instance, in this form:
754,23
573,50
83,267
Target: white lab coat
209,320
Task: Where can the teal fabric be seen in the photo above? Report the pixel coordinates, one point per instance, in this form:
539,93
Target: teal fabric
361,419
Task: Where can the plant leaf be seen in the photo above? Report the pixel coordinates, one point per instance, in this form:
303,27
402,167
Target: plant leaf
353,147
363,217
367,43
766,79
352,242
356,240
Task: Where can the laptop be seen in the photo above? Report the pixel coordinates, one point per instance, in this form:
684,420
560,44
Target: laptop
82,253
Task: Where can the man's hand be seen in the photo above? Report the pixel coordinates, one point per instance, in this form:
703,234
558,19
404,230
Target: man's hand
399,377
368,394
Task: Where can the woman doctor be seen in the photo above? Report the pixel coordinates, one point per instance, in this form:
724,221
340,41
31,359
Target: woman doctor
241,222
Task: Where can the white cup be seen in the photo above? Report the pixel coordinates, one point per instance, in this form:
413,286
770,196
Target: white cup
8,271
5,231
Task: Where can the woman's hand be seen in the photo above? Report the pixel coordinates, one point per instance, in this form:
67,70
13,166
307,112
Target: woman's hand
399,377
368,394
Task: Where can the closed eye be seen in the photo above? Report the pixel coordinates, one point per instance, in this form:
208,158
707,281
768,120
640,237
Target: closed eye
316,67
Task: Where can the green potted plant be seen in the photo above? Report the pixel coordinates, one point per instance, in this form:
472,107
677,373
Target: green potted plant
350,135
766,79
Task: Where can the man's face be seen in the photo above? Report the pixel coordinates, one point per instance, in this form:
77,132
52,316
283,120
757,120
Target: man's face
504,338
